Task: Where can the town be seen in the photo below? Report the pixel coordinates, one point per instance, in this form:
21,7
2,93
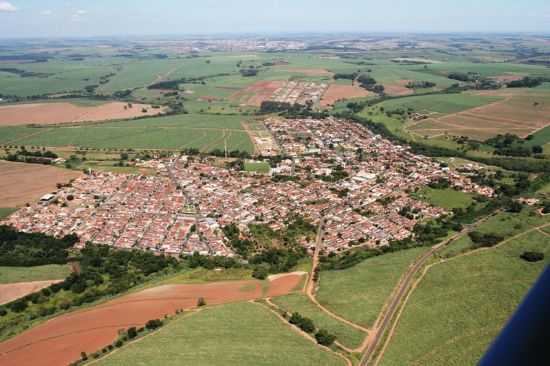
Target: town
333,173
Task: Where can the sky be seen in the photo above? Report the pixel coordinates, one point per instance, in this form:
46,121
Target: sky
87,18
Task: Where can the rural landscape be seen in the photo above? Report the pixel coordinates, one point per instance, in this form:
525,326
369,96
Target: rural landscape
301,199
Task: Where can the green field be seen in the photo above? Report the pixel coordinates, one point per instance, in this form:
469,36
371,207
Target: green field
461,305
359,293
6,211
438,103
204,132
237,334
446,198
259,167
30,274
346,335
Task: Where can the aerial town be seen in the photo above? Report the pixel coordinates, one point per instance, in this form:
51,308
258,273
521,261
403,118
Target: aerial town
334,171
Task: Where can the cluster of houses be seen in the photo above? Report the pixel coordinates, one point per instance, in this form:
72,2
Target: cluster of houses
336,172
300,92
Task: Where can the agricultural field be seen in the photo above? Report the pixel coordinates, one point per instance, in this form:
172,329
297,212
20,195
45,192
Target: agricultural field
204,132
236,334
97,326
358,294
461,305
55,113
346,335
23,183
6,211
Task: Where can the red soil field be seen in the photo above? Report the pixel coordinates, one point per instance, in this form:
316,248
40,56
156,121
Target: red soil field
255,94
337,92
24,183
14,291
398,88
53,113
308,72
59,341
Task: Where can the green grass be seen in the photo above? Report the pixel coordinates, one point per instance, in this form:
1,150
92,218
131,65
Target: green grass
346,335
446,198
509,224
6,211
201,275
236,334
31,274
259,167
461,305
359,293
204,132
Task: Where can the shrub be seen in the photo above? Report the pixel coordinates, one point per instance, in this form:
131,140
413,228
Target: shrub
153,324
303,323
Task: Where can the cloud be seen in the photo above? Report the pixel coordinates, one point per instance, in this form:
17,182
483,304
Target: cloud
81,12
6,6
77,15
47,12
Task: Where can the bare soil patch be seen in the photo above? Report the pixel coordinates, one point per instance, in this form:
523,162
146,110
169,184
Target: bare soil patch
22,183
507,78
60,340
53,113
308,71
337,92
14,291
398,89
255,94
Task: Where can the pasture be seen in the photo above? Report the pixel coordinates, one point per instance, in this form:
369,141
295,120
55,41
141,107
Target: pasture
203,132
358,293
461,305
237,334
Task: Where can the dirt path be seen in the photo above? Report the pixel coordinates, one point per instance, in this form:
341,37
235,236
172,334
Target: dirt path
414,286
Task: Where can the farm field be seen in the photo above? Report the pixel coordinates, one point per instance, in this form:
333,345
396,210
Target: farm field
337,92
13,291
461,305
519,113
358,294
22,183
30,274
346,335
63,112
60,340
204,132
6,211
446,198
236,334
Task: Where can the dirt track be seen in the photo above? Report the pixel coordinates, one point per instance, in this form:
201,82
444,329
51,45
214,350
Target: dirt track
59,341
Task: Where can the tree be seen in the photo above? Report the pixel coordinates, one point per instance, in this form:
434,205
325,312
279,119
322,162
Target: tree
201,302
532,256
132,333
537,149
153,324
324,338
83,356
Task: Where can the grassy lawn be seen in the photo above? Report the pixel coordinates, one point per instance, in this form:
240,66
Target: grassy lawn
345,334
359,293
201,275
6,211
446,198
259,167
236,334
30,274
460,306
